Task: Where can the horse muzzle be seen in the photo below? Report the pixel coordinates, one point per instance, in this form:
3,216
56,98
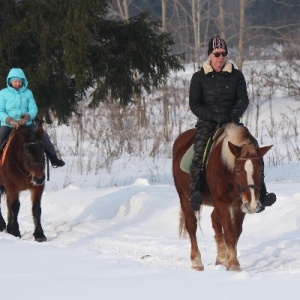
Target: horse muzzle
35,181
251,209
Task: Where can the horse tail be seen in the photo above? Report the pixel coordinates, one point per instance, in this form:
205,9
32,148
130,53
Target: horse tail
2,193
182,227
2,190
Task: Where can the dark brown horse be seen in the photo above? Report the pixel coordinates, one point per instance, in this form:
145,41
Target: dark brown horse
233,181
22,167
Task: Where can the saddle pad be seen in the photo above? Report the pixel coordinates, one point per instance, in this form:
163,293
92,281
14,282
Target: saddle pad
186,160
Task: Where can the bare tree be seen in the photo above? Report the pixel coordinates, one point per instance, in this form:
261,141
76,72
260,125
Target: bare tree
165,87
222,18
123,6
196,26
241,34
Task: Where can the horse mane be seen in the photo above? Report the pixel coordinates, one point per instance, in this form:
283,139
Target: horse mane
238,136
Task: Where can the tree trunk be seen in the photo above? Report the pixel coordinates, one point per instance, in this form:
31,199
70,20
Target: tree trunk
222,18
165,87
123,8
241,34
196,27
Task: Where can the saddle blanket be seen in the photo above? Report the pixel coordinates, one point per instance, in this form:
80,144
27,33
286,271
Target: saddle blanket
186,160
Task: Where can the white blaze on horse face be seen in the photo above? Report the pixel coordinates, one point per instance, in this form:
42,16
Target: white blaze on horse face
250,171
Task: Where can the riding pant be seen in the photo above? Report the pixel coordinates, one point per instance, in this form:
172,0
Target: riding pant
205,130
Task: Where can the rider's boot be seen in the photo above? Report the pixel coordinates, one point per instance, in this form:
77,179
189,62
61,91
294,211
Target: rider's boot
265,198
56,161
196,186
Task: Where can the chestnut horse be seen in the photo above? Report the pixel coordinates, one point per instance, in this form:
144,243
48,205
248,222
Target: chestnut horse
22,167
233,182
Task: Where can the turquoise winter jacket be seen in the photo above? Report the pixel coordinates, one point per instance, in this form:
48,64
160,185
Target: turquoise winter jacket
17,103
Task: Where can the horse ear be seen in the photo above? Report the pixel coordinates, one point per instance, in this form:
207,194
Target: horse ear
235,150
263,150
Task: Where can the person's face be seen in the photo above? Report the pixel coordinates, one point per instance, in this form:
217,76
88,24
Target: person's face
218,59
16,84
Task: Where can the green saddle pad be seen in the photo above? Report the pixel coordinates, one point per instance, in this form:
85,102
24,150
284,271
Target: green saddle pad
186,160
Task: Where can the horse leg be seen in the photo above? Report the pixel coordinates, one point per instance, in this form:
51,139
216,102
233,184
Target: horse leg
231,238
36,195
2,222
222,253
191,227
239,217
231,234
13,207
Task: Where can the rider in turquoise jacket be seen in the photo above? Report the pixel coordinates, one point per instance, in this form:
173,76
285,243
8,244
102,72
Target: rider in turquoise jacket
18,107
16,103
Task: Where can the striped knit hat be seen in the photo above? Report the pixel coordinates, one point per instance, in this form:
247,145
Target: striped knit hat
216,43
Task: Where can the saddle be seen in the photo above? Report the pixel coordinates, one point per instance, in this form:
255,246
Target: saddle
187,158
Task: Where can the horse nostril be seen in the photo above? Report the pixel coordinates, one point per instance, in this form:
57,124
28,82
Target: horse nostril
38,181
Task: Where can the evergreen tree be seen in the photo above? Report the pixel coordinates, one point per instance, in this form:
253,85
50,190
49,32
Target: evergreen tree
67,46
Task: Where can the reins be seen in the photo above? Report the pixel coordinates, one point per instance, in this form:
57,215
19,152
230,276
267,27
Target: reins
26,164
240,189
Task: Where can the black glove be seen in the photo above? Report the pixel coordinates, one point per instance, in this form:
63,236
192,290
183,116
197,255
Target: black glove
234,119
220,118
12,122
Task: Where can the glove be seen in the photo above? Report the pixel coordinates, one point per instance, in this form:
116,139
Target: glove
220,118
235,119
12,122
24,119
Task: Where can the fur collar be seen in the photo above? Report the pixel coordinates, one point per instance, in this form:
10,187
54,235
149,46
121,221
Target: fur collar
208,69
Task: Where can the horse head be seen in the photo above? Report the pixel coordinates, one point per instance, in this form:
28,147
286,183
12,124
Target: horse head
30,159
248,171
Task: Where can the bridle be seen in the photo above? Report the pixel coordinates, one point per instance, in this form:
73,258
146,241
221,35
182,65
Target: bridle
240,188
28,164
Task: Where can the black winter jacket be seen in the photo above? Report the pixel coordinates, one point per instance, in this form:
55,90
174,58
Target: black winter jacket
218,92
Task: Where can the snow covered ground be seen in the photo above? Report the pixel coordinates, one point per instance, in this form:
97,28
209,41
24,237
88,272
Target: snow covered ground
122,243
115,236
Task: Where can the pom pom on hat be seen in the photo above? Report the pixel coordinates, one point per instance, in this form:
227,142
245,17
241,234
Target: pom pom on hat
216,43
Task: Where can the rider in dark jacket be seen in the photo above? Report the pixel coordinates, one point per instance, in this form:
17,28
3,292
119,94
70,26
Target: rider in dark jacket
218,95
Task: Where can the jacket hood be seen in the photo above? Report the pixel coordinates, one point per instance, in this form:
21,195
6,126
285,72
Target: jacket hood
19,73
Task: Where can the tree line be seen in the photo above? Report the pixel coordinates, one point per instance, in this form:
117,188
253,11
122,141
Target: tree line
70,49
96,51
244,24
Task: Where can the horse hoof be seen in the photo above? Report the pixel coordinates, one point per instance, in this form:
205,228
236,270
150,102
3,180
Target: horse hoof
2,226
14,233
41,239
198,268
235,268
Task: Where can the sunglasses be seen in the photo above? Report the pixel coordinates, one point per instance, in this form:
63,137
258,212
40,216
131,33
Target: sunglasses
218,54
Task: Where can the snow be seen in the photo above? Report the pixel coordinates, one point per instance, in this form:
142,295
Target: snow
115,236
122,243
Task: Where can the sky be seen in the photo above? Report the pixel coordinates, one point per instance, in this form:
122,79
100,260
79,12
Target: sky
120,241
